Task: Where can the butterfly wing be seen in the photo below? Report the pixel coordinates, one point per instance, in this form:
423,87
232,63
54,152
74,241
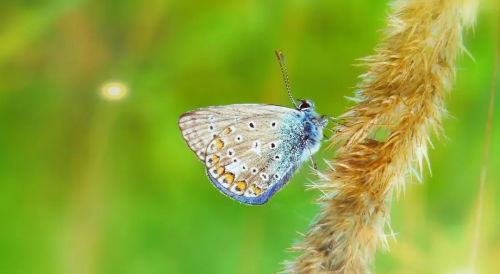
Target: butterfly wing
199,127
256,151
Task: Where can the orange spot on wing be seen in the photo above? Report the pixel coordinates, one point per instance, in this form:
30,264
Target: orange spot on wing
219,144
257,190
227,131
229,178
220,170
240,186
216,159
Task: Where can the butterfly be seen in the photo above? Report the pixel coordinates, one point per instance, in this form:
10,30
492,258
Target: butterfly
251,151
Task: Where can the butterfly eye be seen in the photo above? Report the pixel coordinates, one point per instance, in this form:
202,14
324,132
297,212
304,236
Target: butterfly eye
254,170
235,160
304,105
238,138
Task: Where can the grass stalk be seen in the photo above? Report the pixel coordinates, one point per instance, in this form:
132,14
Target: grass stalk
401,94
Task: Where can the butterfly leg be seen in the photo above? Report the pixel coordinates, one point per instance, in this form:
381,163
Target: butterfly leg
334,131
312,159
331,118
331,129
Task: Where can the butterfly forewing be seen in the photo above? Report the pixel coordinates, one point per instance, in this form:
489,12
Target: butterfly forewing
200,126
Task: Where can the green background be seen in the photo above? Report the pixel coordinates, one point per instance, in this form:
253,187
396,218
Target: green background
89,185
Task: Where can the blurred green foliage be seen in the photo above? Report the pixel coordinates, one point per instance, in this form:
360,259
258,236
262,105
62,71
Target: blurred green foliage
89,185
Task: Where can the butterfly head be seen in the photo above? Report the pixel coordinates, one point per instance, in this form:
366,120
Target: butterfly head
307,106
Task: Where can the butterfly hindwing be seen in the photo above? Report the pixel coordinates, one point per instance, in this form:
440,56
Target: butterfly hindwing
252,158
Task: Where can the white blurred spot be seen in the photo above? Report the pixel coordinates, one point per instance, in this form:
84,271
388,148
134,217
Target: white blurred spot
114,91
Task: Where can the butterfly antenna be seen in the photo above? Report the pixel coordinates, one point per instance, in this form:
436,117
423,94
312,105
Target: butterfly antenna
284,71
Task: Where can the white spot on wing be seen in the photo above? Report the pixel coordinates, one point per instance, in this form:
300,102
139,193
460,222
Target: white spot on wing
250,193
213,172
252,125
223,182
256,147
210,161
273,145
211,148
264,176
